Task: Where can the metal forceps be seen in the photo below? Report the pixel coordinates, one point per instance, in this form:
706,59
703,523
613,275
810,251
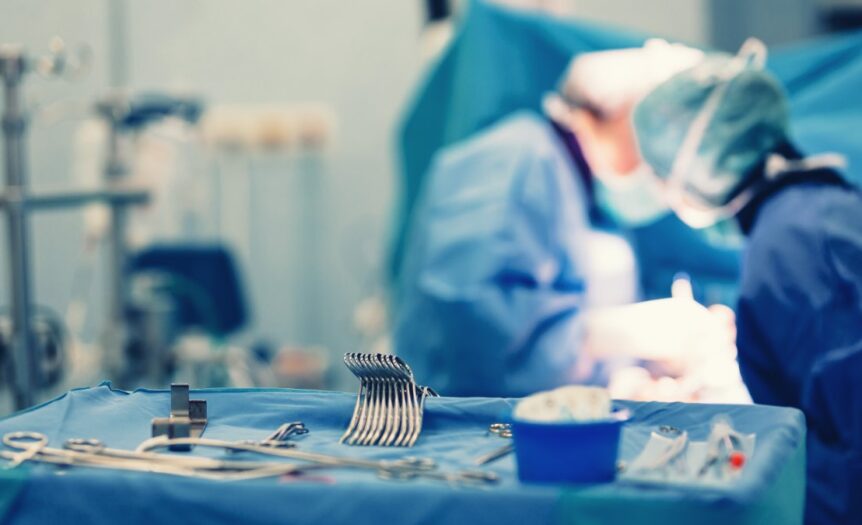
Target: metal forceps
92,453
504,430
29,443
400,469
281,436
389,406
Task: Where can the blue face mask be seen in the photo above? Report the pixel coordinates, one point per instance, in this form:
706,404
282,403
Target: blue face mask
633,199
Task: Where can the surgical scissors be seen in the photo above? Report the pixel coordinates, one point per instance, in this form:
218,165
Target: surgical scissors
405,468
37,441
93,453
33,446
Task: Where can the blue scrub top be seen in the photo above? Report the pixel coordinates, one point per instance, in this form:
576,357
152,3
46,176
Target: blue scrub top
493,280
800,310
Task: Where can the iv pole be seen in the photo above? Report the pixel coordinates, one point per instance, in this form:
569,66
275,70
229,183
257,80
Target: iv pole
13,67
17,201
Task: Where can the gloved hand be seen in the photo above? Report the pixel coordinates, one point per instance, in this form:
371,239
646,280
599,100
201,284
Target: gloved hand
674,331
686,350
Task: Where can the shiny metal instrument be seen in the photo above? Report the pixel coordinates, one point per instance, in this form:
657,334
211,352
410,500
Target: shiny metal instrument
281,437
400,469
504,430
92,453
24,447
188,417
390,405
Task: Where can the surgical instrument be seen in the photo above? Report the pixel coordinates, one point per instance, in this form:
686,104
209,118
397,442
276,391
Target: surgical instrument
405,468
188,417
281,436
92,453
389,406
504,430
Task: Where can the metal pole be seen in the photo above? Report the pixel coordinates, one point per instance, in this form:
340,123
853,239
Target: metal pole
118,40
115,170
113,108
12,66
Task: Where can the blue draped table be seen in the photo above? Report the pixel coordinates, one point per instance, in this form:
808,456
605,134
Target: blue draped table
770,490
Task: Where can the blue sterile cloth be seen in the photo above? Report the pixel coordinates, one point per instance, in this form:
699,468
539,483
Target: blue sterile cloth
770,490
822,78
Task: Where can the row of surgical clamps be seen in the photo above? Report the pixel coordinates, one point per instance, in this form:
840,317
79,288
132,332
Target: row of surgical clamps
389,405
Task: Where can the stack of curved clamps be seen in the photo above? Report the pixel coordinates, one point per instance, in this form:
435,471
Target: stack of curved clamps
389,405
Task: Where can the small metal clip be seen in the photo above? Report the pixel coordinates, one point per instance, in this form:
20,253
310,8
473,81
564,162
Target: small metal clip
188,417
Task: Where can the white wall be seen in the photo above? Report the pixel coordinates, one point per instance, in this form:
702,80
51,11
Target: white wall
683,20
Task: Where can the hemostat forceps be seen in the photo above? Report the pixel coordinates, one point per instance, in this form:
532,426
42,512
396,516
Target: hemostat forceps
406,468
390,405
92,453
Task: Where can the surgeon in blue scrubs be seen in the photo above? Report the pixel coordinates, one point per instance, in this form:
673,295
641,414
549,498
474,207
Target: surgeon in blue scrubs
717,136
495,275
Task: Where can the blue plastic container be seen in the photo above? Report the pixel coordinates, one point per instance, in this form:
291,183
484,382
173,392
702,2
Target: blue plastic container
567,452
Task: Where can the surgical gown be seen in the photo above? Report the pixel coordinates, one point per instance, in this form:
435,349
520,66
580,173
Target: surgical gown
800,310
494,273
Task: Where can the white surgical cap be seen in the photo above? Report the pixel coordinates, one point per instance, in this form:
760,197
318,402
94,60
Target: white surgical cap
611,82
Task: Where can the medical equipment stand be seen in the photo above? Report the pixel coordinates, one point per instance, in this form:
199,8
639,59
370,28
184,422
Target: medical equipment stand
127,115
12,68
113,109
18,202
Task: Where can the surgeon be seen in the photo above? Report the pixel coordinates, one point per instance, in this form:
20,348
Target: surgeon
594,102
497,274
716,135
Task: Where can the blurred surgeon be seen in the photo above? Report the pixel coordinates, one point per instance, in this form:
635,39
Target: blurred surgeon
717,136
496,273
677,352
594,101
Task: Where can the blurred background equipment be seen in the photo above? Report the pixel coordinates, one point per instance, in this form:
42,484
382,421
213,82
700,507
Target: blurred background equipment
134,342
27,350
